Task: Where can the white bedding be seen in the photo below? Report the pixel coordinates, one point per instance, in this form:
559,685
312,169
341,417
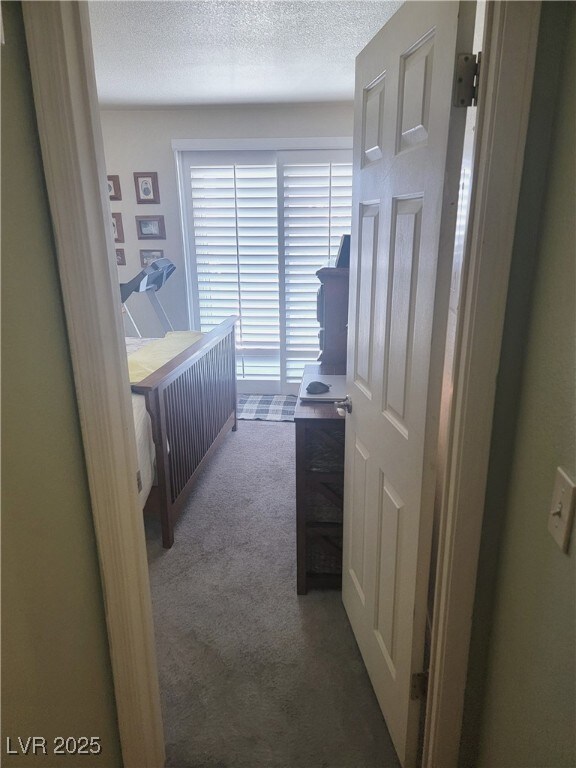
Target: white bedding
145,451
144,447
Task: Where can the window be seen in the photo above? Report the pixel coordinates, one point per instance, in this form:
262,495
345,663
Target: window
260,224
316,205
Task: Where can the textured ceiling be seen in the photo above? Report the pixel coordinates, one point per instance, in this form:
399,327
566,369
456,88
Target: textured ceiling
224,51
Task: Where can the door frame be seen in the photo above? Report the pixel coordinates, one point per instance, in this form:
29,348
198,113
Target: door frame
64,86
61,63
505,94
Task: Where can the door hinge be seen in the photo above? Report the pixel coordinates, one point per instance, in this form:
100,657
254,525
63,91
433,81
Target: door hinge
419,685
466,78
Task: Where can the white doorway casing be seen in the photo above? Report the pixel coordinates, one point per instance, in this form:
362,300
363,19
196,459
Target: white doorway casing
508,58
60,52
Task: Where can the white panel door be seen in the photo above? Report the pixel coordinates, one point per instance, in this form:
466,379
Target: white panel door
408,143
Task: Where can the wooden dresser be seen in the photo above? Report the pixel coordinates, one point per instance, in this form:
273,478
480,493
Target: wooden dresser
319,490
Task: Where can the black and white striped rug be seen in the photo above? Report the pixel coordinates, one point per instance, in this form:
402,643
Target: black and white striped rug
266,407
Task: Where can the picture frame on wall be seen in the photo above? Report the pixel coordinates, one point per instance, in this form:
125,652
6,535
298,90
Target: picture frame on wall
114,191
117,228
146,184
149,255
150,228
120,257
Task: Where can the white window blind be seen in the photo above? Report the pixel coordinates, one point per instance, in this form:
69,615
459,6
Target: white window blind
235,224
317,203
260,226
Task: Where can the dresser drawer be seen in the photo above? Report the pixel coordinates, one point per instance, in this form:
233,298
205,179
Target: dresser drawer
325,448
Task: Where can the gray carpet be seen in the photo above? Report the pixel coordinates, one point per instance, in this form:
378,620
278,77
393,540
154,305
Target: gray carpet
252,675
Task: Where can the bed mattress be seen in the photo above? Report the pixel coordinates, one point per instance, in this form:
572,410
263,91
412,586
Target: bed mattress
145,452
144,357
144,447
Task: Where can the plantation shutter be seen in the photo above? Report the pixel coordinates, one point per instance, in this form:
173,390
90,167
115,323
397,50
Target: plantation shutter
260,224
317,206
235,231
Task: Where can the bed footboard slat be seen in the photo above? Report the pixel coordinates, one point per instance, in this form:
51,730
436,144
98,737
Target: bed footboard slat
192,406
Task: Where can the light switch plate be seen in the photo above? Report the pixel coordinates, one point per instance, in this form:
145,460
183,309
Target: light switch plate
561,513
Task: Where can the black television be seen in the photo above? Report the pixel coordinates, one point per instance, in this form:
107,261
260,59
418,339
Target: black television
343,257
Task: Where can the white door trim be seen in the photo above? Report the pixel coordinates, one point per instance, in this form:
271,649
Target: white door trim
508,59
61,63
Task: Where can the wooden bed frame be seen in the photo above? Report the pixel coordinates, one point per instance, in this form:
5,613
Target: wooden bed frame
192,404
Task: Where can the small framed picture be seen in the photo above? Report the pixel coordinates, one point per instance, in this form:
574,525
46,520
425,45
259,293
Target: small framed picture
150,228
120,257
146,183
117,228
114,192
147,256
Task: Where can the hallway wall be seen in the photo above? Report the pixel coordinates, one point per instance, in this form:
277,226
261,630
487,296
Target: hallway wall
56,675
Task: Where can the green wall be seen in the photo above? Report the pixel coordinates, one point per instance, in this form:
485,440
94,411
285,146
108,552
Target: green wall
520,702
56,677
